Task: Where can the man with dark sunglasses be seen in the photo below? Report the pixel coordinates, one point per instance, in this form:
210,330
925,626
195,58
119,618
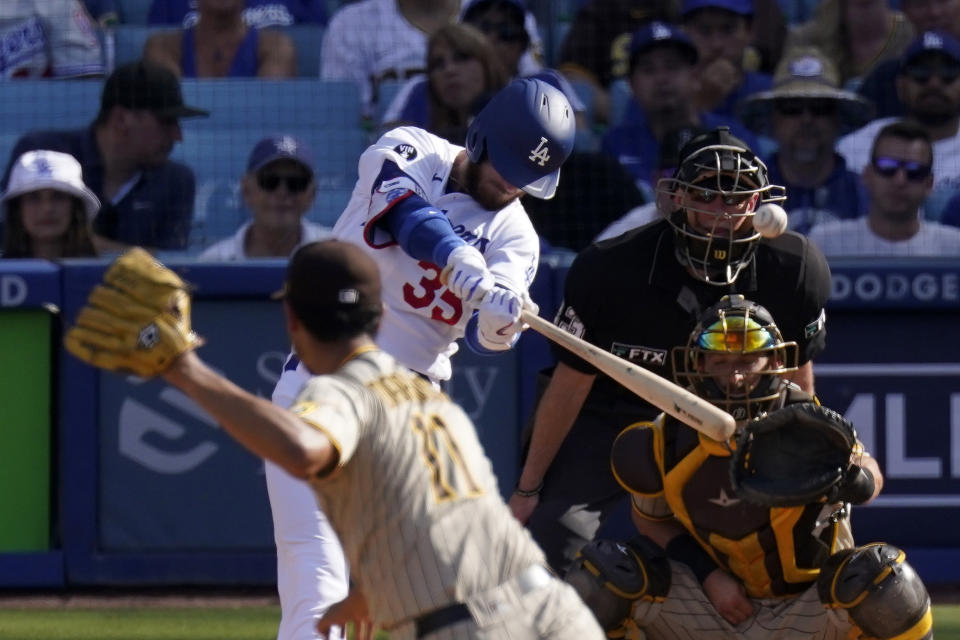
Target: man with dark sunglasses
898,180
279,189
925,15
804,113
929,86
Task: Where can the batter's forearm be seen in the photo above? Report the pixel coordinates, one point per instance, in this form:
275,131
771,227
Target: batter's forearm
260,426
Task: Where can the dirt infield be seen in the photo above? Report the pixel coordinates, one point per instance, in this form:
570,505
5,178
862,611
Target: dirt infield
181,597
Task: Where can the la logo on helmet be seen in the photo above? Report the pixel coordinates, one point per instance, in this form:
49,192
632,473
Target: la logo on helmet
541,153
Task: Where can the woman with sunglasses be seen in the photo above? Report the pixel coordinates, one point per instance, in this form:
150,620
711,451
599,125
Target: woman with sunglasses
279,189
47,208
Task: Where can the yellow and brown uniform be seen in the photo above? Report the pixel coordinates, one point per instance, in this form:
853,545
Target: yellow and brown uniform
671,470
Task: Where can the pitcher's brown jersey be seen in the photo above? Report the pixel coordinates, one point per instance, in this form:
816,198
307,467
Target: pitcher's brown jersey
420,518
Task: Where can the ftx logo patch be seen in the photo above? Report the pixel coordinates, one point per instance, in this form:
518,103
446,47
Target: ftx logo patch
639,354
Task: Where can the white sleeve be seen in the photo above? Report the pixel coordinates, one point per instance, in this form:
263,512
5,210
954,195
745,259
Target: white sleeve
72,35
514,257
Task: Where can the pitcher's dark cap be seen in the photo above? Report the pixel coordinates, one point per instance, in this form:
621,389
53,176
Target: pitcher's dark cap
149,86
330,274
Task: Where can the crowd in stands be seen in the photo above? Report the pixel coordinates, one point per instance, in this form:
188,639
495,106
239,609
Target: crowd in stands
854,105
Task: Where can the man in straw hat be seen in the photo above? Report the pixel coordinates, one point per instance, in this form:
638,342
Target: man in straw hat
805,113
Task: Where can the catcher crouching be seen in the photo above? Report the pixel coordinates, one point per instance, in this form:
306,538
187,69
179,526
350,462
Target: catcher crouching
750,538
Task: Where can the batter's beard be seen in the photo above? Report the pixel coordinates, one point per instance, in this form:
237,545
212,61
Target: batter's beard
490,202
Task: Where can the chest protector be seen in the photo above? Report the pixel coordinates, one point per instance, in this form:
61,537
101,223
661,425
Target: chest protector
775,552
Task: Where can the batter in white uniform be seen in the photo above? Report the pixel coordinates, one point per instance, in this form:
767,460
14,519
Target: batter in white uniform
422,205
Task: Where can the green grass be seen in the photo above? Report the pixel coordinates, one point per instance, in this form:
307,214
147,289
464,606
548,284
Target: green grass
946,621
246,623
241,623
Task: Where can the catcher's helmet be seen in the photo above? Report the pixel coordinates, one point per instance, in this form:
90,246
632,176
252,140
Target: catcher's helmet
716,164
527,130
736,326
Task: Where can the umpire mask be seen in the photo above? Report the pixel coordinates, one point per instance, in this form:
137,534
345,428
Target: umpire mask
713,194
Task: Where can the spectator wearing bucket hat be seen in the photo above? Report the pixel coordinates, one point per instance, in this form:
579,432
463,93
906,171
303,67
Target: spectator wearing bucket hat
929,87
147,200
663,81
47,208
880,86
805,113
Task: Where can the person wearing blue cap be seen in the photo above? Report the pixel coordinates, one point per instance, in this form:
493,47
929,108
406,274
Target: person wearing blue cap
278,188
880,85
929,87
663,62
720,29
446,228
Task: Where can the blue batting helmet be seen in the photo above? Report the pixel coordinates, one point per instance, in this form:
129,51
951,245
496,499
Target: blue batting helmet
527,131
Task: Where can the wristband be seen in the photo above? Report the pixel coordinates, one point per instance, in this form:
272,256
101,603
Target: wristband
685,549
528,494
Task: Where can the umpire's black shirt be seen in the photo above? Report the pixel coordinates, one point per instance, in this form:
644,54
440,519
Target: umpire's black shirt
631,296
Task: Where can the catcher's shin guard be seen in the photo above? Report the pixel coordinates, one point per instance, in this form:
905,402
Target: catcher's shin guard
610,576
881,592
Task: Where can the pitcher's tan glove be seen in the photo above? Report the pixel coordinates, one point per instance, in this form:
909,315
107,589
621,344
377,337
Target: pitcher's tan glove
137,321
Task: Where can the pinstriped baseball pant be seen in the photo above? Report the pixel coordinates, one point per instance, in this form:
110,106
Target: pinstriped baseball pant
687,614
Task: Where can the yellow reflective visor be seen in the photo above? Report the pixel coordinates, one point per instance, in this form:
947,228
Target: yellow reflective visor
736,336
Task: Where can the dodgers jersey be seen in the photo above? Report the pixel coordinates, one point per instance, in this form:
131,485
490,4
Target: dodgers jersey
422,319
39,38
413,498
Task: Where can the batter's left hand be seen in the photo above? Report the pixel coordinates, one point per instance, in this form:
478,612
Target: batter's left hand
499,319
351,610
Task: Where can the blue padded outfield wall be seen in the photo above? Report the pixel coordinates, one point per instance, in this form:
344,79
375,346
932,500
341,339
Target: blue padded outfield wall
150,491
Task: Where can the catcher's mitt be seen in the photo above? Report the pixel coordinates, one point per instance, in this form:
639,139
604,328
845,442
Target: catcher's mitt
796,455
137,321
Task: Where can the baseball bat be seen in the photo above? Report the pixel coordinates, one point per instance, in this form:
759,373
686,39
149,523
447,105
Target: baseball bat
664,394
